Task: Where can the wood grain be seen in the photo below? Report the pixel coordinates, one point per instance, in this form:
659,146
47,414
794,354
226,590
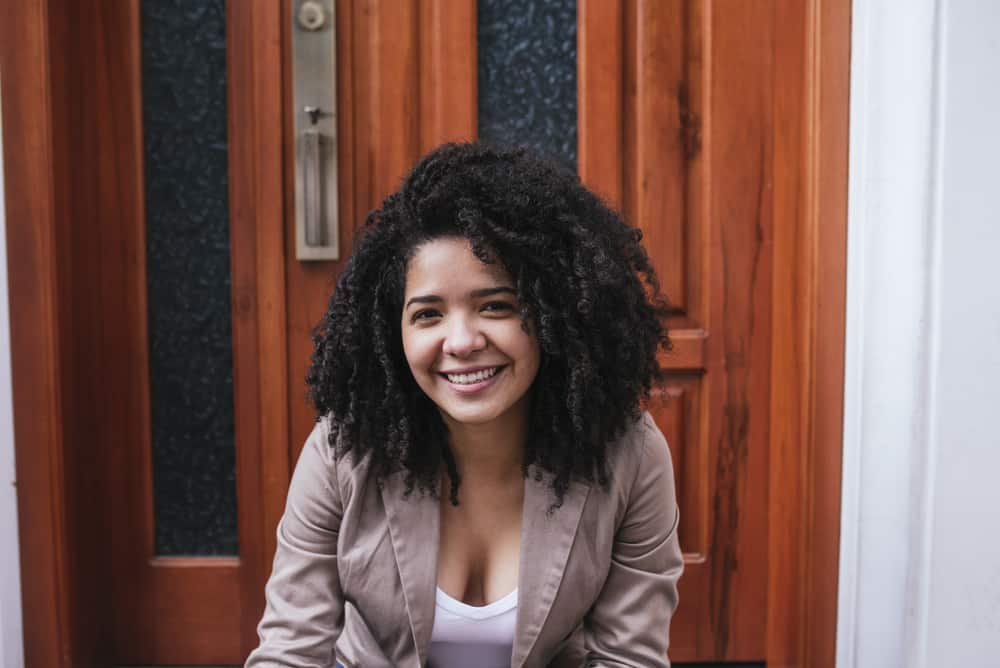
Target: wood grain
395,96
737,384
655,157
448,76
600,97
257,37
811,104
103,87
831,31
189,616
687,352
36,371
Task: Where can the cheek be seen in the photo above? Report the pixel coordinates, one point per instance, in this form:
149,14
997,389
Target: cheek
418,351
408,348
530,354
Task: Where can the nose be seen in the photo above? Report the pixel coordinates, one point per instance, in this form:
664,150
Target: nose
463,338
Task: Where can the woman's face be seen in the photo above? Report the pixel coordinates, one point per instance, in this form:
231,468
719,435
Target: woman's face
462,335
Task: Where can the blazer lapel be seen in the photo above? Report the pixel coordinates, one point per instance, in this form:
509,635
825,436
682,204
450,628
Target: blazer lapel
546,540
414,528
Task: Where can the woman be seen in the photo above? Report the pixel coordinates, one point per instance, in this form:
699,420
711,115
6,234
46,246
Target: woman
482,488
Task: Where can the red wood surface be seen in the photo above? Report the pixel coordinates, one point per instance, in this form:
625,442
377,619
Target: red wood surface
257,41
448,86
810,190
656,72
36,368
600,96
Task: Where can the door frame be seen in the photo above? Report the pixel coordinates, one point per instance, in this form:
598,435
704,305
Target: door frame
810,201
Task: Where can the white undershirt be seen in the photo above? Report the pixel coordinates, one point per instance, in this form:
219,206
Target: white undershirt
468,635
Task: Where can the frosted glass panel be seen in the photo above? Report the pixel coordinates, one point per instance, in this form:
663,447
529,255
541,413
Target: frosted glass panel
527,74
187,230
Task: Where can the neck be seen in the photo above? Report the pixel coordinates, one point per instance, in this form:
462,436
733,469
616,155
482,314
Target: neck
491,452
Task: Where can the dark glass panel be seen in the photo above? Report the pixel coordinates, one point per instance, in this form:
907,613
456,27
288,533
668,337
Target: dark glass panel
187,228
527,74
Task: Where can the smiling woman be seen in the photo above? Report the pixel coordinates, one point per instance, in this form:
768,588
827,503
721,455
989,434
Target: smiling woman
490,343
466,346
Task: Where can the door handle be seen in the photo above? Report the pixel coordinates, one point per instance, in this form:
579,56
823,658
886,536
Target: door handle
311,167
314,74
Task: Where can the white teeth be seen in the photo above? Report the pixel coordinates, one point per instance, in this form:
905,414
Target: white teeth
469,378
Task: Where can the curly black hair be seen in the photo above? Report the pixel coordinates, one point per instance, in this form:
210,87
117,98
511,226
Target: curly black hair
583,280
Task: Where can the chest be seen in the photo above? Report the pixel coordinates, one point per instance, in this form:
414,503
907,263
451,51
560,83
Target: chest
391,548
479,548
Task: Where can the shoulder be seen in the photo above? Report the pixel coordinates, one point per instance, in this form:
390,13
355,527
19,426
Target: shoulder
655,451
642,444
341,469
641,464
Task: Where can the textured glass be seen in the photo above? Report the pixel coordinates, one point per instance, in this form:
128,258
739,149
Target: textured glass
187,231
527,74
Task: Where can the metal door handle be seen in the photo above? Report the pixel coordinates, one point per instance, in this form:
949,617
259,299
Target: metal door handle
314,96
311,167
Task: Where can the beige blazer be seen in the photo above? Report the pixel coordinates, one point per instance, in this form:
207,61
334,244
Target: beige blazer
356,567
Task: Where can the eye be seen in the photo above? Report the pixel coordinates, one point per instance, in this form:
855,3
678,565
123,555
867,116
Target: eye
498,307
425,314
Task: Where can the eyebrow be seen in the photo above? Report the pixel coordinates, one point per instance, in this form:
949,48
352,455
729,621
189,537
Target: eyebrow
477,294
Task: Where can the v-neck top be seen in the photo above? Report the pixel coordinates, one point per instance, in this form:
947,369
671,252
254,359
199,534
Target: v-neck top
471,635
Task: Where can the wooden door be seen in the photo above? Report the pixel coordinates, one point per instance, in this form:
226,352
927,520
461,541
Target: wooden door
702,121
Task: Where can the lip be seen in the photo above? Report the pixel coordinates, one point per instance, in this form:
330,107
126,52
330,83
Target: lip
482,385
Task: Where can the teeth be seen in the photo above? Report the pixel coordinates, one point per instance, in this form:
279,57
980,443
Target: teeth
469,378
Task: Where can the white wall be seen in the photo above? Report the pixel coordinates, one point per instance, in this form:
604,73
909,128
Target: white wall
11,651
963,623
920,557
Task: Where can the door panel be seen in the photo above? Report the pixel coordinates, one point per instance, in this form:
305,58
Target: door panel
169,604
188,286
687,160
526,58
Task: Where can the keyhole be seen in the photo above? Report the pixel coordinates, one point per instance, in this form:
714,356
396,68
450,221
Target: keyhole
314,113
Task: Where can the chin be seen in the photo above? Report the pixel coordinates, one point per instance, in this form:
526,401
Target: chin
472,417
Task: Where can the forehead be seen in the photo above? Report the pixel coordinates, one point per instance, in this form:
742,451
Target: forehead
449,265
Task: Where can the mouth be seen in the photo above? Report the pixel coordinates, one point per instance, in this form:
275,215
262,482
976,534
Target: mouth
473,379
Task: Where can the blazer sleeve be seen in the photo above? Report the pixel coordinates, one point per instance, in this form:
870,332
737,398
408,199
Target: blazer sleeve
629,624
304,613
